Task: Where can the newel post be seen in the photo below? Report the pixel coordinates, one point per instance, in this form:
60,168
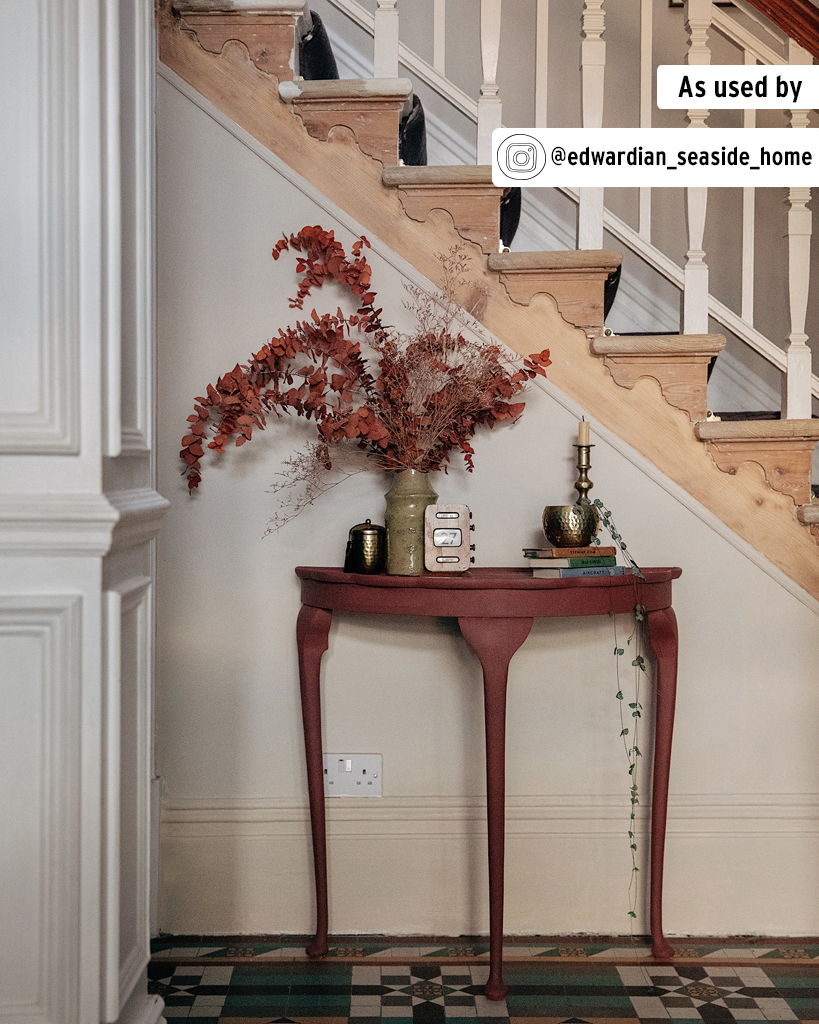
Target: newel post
592,69
698,15
490,111
797,399
385,52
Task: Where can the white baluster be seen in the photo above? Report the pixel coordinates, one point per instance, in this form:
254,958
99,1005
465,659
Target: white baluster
541,64
646,100
385,54
490,111
748,224
439,36
593,68
797,402
695,297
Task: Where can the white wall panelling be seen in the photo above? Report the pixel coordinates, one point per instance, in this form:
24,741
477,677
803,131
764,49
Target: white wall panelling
40,216
205,840
76,350
126,791
136,143
140,513
40,804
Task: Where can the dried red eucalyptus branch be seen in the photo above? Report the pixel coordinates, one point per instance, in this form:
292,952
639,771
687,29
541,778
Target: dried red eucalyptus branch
431,391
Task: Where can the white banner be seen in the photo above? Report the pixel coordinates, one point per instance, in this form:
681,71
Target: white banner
655,157
737,86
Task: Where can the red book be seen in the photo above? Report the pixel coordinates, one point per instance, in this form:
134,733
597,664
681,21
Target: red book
568,552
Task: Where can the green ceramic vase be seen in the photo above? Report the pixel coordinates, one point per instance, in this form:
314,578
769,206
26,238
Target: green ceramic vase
407,499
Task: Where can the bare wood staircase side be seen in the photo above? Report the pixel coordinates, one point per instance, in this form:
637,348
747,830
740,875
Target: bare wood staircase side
740,495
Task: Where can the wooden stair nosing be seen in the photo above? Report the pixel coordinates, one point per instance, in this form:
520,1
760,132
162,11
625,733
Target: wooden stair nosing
432,175
593,260
346,89
239,6
707,345
758,430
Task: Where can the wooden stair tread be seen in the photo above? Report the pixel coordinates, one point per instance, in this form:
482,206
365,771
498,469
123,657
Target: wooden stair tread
656,344
559,260
808,514
457,174
757,430
346,89
235,6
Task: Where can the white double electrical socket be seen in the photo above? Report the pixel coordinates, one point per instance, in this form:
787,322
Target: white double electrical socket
352,774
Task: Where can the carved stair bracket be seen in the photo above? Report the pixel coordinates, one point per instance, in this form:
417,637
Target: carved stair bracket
809,515
576,281
369,107
783,448
269,34
679,362
465,192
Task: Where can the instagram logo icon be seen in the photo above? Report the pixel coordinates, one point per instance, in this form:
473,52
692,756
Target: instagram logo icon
521,156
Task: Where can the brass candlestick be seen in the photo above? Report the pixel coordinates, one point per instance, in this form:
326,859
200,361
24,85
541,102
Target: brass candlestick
583,485
569,526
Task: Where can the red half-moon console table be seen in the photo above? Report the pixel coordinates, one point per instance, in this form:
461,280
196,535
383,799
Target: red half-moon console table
494,609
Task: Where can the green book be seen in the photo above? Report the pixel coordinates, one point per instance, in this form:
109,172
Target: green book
587,561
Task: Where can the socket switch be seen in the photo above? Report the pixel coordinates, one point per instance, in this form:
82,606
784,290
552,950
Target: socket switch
352,774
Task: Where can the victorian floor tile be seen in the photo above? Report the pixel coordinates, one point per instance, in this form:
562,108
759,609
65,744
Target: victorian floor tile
247,979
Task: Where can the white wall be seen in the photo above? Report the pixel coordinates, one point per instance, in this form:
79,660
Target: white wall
744,825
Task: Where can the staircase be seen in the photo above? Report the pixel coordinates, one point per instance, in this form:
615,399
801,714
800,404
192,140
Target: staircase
650,390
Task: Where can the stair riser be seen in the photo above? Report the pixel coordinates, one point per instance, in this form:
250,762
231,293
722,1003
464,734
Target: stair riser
475,209
786,464
579,294
270,37
682,379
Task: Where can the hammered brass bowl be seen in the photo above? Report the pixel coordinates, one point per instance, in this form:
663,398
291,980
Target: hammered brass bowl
570,526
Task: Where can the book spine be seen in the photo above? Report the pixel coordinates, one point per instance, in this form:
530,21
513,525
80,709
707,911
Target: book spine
570,563
589,552
616,570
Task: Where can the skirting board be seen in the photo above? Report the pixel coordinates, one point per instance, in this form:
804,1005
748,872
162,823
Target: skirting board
734,865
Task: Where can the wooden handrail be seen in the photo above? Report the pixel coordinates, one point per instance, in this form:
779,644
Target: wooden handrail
799,19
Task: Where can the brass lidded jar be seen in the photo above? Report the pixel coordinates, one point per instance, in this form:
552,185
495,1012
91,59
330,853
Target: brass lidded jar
366,548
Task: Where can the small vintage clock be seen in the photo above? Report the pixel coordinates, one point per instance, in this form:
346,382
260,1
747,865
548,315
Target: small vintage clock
446,538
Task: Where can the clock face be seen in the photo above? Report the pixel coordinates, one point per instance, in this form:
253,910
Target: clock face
446,537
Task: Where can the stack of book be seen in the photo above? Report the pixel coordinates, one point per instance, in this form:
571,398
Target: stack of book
565,563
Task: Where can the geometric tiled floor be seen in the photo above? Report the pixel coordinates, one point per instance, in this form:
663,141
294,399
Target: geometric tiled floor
205,981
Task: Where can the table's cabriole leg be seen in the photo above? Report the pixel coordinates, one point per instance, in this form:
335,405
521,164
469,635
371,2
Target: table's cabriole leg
312,629
494,641
662,640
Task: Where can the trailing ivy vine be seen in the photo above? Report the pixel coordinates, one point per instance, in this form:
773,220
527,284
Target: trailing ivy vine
630,710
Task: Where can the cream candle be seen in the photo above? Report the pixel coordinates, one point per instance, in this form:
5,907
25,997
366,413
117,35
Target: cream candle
583,432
